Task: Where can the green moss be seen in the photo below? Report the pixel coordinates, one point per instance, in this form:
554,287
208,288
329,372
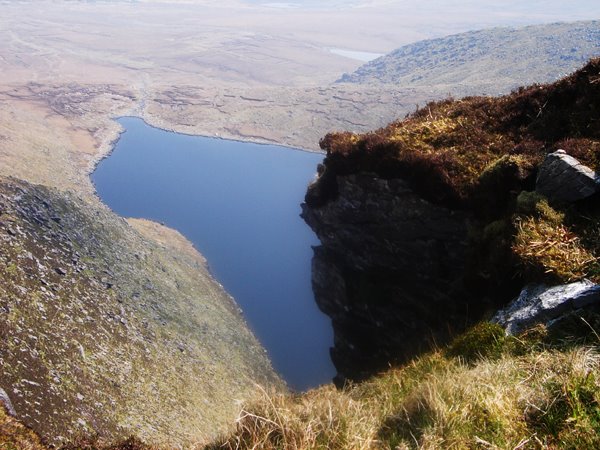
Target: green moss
484,340
536,205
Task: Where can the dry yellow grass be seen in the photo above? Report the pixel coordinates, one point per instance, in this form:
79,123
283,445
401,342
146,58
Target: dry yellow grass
535,398
545,399
554,249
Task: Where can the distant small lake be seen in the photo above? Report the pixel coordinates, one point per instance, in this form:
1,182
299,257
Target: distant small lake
239,203
355,54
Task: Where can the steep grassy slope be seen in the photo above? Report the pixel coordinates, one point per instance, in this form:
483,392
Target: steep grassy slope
486,62
105,331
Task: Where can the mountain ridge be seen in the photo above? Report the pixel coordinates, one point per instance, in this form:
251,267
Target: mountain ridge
490,61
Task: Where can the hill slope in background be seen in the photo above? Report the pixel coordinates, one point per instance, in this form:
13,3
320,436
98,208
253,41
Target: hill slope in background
104,329
490,61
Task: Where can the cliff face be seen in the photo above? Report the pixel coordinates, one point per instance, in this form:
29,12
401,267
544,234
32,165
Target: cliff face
385,254
103,330
418,220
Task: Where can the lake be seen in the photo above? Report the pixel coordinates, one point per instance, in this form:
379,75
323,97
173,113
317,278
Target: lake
239,203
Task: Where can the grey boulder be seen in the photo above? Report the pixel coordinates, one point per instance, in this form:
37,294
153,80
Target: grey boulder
563,178
543,304
5,401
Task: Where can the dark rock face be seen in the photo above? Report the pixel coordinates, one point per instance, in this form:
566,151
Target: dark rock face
388,271
562,178
543,304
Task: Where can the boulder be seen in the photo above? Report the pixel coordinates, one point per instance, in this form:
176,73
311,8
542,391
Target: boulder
543,304
5,401
564,179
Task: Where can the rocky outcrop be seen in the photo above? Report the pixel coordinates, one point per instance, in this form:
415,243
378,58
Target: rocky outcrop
6,403
387,273
542,304
561,178
422,225
105,331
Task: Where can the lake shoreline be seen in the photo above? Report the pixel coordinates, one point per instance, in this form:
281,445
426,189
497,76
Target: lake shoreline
239,206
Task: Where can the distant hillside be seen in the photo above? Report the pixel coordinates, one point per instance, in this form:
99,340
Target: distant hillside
488,61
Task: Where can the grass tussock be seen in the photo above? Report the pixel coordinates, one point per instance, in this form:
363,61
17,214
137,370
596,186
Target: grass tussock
545,245
511,393
552,249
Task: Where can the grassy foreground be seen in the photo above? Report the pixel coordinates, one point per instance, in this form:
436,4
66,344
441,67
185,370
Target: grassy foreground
523,393
485,390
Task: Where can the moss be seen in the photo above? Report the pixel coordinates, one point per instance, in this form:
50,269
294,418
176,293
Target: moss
499,183
536,205
484,340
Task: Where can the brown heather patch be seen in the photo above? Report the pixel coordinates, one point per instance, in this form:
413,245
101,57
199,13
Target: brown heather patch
450,143
16,436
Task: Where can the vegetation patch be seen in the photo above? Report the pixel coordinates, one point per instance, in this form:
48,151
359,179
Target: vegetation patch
483,391
451,143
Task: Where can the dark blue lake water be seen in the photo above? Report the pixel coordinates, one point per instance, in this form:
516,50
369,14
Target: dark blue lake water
239,204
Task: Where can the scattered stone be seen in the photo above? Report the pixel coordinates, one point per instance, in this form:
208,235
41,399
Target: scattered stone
60,271
5,401
562,178
543,304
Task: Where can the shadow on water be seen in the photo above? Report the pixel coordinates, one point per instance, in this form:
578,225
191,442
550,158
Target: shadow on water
239,203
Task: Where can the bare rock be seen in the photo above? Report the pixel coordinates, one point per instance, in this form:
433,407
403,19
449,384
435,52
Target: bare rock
543,304
5,401
563,178
386,271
